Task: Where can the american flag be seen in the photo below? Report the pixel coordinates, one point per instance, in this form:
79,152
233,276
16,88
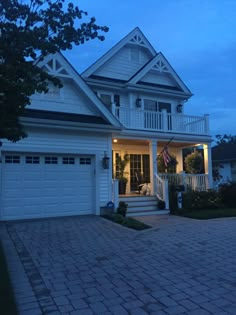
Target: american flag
166,156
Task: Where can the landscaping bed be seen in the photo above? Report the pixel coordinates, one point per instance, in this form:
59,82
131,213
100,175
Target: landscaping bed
7,302
207,213
127,221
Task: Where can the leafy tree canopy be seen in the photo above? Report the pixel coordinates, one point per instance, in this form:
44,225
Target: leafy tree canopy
220,139
30,30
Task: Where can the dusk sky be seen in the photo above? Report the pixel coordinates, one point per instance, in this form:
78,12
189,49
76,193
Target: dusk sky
198,38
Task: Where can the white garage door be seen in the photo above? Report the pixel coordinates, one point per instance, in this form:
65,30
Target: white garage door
35,185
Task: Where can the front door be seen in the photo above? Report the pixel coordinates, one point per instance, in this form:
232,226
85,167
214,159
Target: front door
139,165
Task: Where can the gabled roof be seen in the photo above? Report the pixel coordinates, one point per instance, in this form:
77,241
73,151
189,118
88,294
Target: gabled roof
224,152
135,37
59,66
159,64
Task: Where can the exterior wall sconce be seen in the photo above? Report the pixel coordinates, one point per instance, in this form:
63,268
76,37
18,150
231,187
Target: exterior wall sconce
139,102
179,108
105,161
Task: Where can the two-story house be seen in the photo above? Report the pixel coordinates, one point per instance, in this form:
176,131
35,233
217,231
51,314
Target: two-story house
131,101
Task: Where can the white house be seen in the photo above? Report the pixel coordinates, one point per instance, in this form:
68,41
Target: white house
224,160
130,101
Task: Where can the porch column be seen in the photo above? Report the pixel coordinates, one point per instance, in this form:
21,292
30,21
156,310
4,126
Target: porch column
153,164
208,163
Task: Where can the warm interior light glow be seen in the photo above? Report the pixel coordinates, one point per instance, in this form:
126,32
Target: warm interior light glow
115,140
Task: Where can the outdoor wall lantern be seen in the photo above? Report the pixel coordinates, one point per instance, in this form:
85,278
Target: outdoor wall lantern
105,161
179,108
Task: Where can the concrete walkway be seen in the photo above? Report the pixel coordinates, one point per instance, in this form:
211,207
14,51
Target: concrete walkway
87,265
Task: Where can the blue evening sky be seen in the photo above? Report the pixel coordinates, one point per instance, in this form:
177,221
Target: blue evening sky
198,38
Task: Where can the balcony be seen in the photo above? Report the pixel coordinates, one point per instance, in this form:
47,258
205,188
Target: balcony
162,121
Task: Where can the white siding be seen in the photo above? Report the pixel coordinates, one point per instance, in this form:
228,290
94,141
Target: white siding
159,78
121,66
69,99
60,141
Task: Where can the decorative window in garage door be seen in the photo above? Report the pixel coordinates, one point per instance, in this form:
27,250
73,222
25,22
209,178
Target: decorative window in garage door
50,160
85,160
12,159
68,160
32,159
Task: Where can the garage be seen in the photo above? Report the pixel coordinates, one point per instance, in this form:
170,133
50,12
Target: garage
46,185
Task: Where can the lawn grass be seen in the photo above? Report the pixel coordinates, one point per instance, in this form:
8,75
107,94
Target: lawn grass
7,302
207,213
127,221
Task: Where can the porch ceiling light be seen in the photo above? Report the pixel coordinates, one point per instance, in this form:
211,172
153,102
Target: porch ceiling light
115,140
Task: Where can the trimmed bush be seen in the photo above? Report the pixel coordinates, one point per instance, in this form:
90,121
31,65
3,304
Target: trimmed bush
200,200
122,209
228,194
161,204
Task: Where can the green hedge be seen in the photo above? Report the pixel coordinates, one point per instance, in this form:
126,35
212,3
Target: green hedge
228,195
200,200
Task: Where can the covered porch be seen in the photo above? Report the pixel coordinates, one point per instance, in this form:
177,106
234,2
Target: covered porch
143,162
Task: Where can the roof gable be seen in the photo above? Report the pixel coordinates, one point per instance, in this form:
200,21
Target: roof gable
158,71
58,66
134,39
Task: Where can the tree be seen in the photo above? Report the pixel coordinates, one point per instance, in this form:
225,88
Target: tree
29,31
220,139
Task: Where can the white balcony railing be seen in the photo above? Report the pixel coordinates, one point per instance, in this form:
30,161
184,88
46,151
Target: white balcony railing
162,121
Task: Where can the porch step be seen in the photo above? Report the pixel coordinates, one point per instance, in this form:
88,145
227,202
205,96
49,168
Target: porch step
142,205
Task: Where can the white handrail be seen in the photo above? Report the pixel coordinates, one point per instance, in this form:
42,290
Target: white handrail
162,190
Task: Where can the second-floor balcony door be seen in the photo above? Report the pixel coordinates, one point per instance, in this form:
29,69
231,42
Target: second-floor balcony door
166,106
140,165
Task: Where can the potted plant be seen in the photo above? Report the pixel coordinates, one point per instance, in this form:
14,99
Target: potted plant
194,163
120,166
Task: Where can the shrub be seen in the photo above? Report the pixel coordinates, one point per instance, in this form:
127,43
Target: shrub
228,194
200,200
122,209
161,204
194,163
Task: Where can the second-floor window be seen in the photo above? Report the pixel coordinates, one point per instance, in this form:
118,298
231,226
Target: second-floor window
108,99
150,105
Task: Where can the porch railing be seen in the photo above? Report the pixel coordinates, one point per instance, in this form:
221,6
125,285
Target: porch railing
162,191
161,121
198,182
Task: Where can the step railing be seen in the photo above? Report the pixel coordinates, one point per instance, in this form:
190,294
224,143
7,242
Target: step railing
162,192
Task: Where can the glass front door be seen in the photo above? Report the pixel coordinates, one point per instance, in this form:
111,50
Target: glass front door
139,167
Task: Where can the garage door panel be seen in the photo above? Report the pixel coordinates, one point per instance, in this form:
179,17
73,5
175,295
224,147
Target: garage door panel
42,190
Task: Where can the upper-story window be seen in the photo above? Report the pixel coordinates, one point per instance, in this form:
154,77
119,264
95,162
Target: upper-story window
108,99
150,105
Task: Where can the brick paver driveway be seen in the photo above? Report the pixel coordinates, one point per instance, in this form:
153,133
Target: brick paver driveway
87,265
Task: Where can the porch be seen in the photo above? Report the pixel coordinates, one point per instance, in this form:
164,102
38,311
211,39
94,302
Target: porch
143,160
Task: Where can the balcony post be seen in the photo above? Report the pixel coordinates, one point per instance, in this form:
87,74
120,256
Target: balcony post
165,118
207,127
208,164
153,164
